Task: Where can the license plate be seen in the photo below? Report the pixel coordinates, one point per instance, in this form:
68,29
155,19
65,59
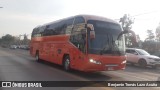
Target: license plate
110,68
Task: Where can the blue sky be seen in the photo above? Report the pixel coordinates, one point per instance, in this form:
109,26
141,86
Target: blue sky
21,16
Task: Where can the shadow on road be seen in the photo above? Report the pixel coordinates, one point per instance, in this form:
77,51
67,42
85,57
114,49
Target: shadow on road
93,76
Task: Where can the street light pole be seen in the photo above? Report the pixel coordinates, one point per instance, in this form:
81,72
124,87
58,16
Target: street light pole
1,7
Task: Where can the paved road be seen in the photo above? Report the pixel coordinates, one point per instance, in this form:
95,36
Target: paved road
18,65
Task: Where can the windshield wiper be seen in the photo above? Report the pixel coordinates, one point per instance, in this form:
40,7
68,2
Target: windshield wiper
111,50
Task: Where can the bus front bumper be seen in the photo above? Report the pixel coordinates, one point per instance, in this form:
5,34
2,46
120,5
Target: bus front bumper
103,67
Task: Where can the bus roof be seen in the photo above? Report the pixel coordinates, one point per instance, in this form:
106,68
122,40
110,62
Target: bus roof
86,17
99,18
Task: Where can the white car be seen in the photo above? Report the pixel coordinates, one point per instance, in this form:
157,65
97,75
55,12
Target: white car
141,57
13,47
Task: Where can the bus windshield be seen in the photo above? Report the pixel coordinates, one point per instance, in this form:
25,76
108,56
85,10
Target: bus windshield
105,41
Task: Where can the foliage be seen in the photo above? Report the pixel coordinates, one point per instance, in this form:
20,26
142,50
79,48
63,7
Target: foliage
126,22
150,35
158,32
150,44
8,40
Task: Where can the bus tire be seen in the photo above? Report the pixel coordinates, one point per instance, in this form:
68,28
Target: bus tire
66,63
142,63
37,56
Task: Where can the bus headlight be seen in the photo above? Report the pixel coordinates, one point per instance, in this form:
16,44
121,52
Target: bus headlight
94,61
123,62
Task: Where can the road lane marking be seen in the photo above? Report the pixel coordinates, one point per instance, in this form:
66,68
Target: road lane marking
60,71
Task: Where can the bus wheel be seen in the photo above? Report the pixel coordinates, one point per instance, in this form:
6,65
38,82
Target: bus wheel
37,56
142,63
66,63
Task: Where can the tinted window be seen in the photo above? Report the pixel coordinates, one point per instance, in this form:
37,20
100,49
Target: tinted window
34,32
78,37
127,51
132,51
37,32
105,41
69,21
56,28
62,27
79,20
41,30
48,31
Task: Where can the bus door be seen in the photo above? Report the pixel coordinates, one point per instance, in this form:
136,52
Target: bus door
78,39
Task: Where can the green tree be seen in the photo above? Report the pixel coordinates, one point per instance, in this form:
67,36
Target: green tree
126,22
140,42
158,32
0,41
150,35
7,40
150,44
25,40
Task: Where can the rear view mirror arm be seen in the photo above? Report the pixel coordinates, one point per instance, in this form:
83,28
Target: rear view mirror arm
133,34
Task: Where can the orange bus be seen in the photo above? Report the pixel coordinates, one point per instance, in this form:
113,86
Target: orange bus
84,42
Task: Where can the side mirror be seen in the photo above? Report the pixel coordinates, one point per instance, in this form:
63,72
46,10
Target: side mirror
90,26
134,39
92,32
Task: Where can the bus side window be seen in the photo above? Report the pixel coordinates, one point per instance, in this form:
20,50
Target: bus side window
79,20
69,21
62,27
68,30
47,31
69,26
52,29
56,28
78,37
37,32
41,30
